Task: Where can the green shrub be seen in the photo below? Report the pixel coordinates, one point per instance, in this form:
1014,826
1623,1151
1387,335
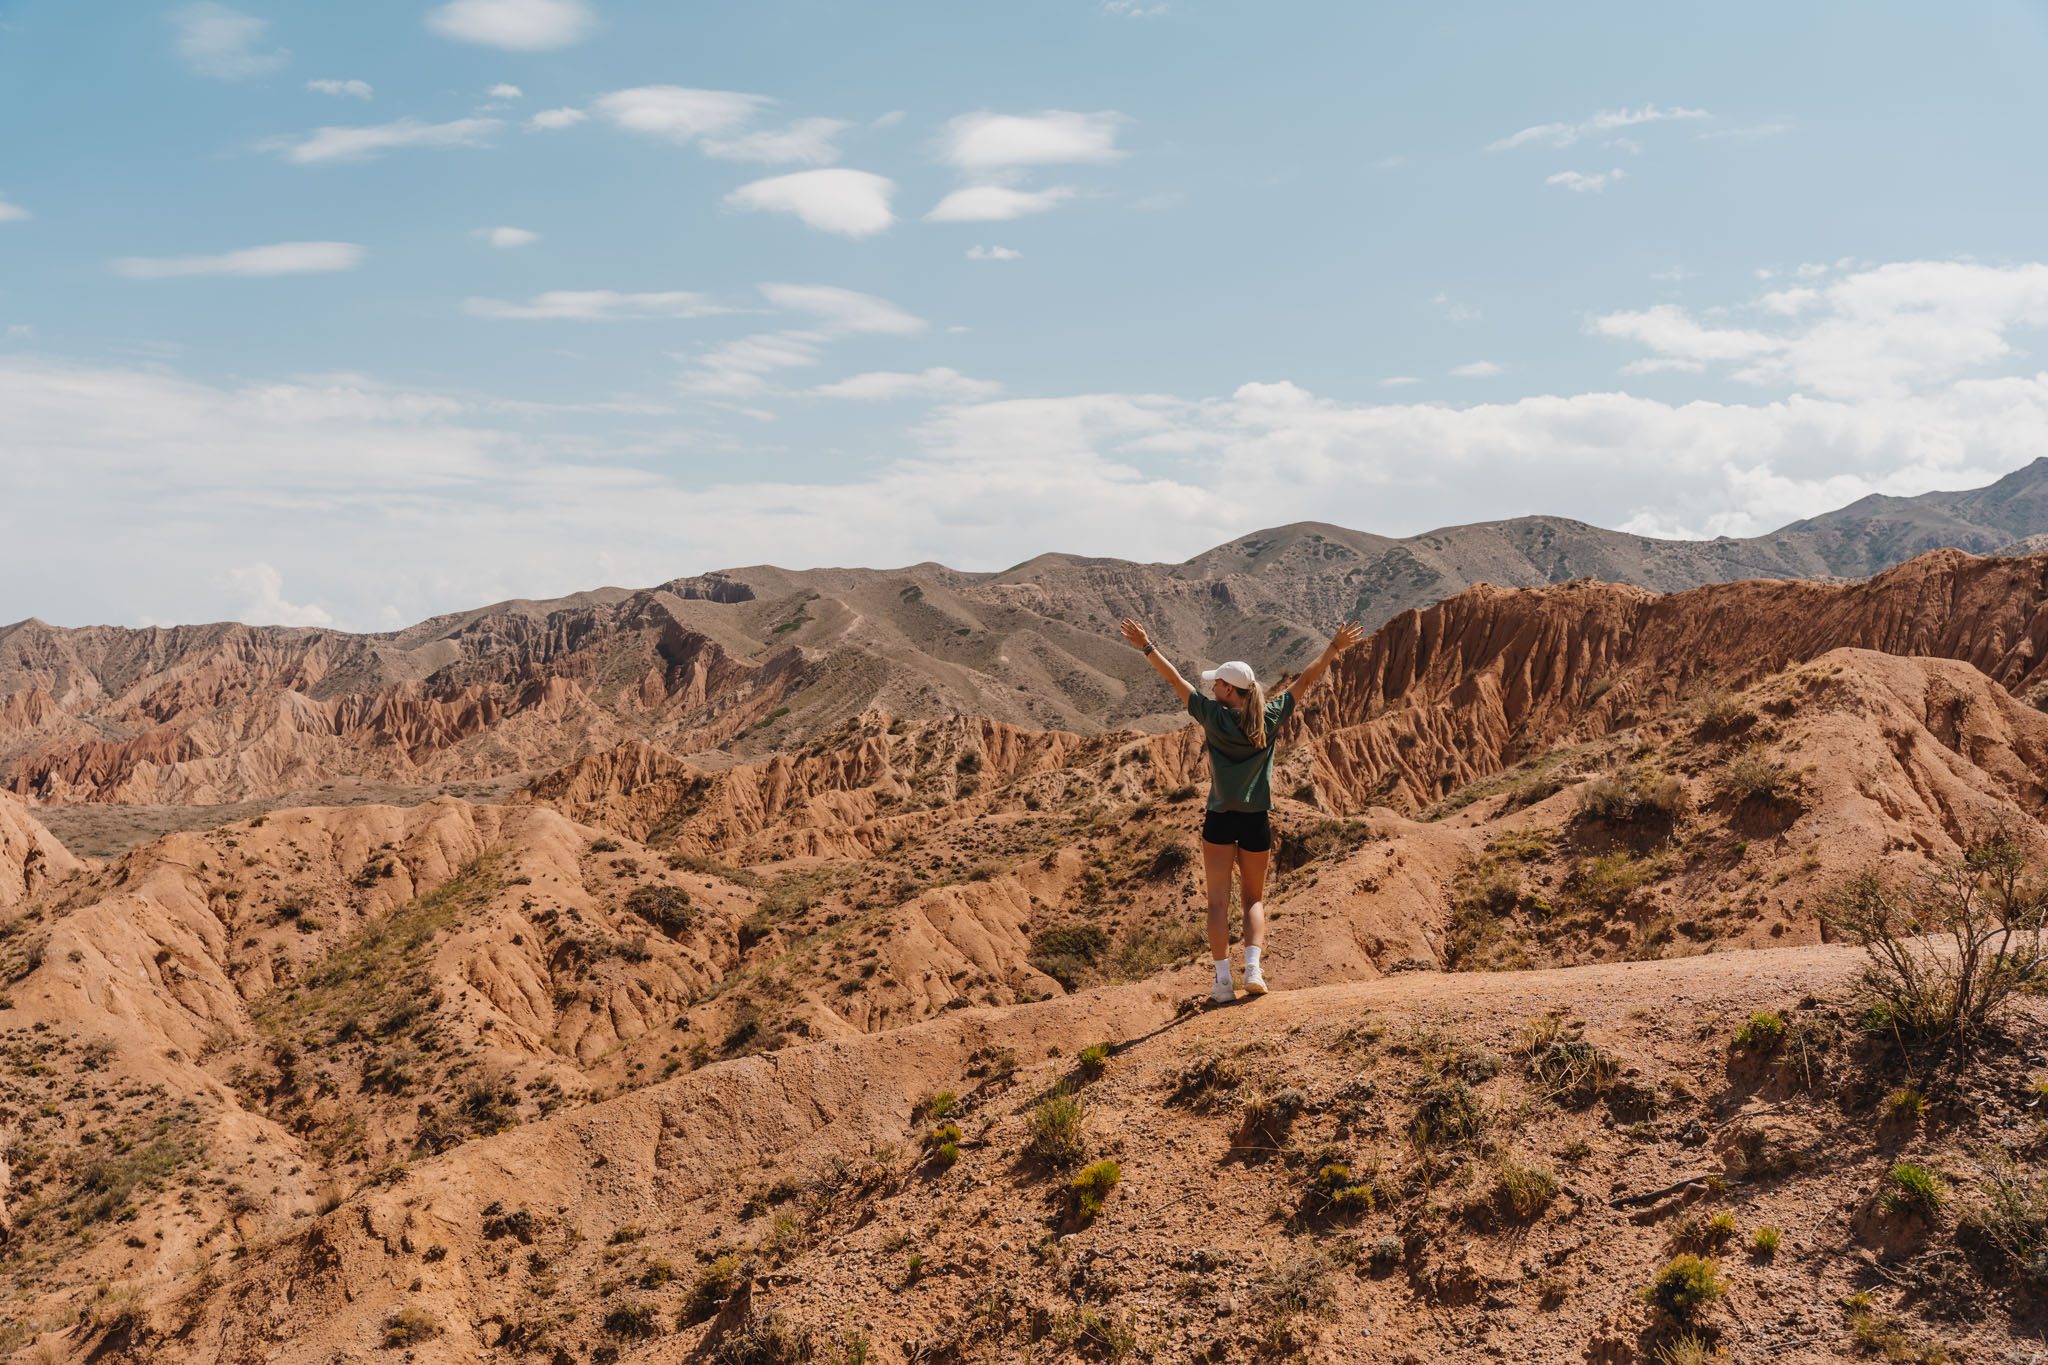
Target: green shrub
1685,1288
1913,1188
1570,1070
1093,1059
1764,1031
1068,952
1634,796
2008,1211
1606,882
1337,1192
667,908
1091,1187
1763,1244
1985,912
632,1318
1906,1104
1266,1116
1447,1116
1753,776
1056,1136
720,1279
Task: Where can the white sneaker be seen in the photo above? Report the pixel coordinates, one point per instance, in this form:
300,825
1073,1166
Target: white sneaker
1254,981
1222,993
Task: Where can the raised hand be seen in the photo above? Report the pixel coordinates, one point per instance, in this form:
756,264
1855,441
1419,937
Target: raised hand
1135,633
1349,634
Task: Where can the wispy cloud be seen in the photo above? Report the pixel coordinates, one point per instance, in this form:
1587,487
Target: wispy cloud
844,311
13,213
848,203
514,25
939,382
598,305
507,238
353,89
1755,132
1605,121
987,142
1476,369
557,118
363,143
812,140
743,368
679,113
1399,381
994,204
993,253
1582,183
223,43
1455,310
281,258
506,91
1135,9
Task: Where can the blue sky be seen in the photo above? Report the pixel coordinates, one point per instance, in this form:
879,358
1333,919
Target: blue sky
350,314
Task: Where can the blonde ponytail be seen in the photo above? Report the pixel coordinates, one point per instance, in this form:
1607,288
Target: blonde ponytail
1252,719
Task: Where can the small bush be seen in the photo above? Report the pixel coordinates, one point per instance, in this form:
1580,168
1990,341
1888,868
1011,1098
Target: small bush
1752,776
1266,1116
1989,900
2008,1211
1068,952
1056,1137
1913,1188
1763,1243
1634,796
1688,1348
1606,882
1571,1070
409,1327
667,908
1448,1115
1335,1191
1092,1059
632,1319
1764,1032
1685,1288
604,845
1091,1187
717,1282
1906,1104
1523,1192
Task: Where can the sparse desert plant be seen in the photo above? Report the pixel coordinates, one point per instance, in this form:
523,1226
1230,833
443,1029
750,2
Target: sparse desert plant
1091,1187
1913,1188
1634,796
1092,1059
1056,1135
720,1279
667,908
2008,1211
1764,1031
1688,1348
1570,1070
1067,953
1722,716
1685,1288
936,1105
1265,1117
1337,1192
1203,1082
769,1339
632,1318
1754,776
1993,906
1606,882
1523,1192
1906,1104
409,1326
1447,1114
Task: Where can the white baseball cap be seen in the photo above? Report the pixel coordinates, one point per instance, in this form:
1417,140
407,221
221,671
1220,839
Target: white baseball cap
1237,673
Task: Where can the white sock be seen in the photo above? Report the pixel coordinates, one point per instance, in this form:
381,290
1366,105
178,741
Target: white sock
1222,969
1251,957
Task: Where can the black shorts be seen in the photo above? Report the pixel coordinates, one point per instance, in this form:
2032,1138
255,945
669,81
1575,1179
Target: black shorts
1250,830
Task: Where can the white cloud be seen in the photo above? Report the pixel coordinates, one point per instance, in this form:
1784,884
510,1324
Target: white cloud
1674,275
597,305
223,43
189,480
364,143
679,113
844,311
1399,381
743,367
557,118
989,142
1606,121
994,204
281,258
1584,184
939,382
1754,133
993,253
515,25
507,238
354,89
1135,9
809,140
1476,369
1662,365
1454,310
503,91
847,202
13,213
1874,333
263,590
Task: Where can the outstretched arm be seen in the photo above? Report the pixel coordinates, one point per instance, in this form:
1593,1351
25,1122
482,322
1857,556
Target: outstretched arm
1135,633
1347,636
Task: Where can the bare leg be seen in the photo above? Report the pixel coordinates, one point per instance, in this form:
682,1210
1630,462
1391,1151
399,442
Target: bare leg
1251,888
1217,860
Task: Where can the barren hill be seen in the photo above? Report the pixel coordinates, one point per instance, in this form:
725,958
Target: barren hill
753,660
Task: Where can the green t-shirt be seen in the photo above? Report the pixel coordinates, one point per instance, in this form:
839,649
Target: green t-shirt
1240,776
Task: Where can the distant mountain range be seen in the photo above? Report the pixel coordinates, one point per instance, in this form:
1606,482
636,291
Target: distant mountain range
750,659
